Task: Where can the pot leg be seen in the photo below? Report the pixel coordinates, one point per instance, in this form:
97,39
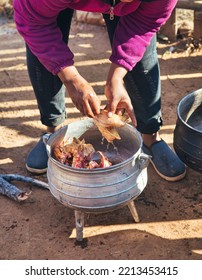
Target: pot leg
79,219
133,211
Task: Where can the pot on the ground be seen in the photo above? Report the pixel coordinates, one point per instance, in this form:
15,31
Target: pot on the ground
188,130
101,189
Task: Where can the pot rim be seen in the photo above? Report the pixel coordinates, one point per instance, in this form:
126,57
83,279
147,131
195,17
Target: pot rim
199,91
96,170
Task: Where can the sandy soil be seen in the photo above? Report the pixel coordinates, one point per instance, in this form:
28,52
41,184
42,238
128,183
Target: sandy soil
41,227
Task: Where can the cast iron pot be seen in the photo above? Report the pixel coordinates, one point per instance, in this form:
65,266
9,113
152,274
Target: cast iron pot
188,130
101,189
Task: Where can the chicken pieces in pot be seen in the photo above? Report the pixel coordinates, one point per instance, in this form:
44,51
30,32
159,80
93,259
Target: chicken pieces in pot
78,154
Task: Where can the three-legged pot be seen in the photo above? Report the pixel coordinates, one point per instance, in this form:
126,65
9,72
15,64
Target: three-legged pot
102,189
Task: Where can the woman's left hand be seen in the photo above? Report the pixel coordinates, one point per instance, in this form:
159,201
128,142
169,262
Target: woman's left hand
117,96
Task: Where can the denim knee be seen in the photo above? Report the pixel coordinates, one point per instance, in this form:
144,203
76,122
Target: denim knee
144,88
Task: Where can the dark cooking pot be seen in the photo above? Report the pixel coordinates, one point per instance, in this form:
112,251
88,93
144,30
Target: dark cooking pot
188,131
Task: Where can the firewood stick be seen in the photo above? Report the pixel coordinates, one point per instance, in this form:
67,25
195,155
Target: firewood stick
8,189
12,191
16,177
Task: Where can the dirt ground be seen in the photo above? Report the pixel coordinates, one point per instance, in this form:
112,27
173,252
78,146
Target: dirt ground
170,214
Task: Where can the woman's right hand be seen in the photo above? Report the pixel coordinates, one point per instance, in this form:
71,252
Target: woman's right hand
80,91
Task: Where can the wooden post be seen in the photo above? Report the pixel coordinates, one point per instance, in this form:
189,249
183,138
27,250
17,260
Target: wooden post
197,25
169,28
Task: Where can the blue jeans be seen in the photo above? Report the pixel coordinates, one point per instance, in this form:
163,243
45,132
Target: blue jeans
142,83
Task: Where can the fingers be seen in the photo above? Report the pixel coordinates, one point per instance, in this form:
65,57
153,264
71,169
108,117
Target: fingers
94,103
120,109
120,112
131,114
91,105
88,111
112,107
83,97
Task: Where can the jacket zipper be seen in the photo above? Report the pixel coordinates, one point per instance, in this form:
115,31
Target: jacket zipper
111,11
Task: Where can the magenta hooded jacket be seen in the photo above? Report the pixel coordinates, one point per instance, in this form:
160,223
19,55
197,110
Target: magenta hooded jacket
140,20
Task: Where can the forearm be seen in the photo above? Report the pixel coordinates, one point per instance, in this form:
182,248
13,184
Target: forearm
69,75
116,72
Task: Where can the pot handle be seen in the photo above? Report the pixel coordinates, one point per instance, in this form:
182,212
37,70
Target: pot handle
144,160
45,138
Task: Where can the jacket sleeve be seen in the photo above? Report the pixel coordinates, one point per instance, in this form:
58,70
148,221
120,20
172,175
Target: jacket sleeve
135,31
40,31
